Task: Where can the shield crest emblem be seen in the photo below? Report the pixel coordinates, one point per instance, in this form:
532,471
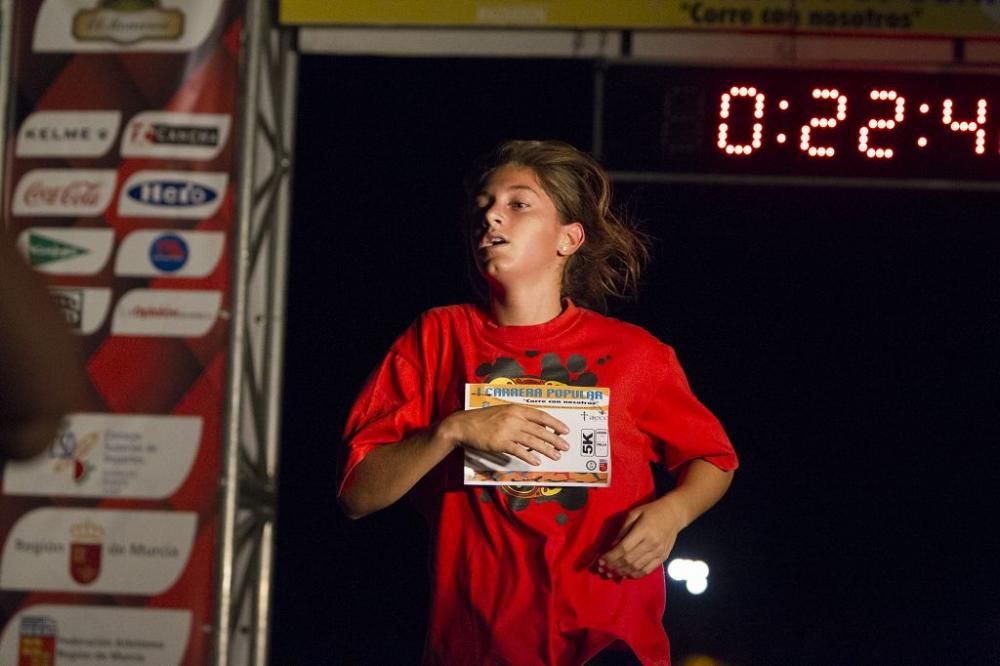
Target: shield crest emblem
85,562
37,641
85,548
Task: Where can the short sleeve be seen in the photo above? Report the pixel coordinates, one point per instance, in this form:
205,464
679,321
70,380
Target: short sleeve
682,428
394,403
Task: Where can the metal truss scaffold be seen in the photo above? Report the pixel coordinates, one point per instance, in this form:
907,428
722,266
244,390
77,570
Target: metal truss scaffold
245,553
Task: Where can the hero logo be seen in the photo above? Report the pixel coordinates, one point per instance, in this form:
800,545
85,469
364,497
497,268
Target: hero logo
64,192
67,133
194,136
172,194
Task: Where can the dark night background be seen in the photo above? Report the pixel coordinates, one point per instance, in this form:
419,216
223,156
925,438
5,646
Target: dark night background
846,338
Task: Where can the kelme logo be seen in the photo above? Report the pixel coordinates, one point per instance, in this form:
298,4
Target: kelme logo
67,133
128,22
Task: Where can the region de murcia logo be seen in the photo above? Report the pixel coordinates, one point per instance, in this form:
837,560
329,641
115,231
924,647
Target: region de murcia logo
128,22
86,545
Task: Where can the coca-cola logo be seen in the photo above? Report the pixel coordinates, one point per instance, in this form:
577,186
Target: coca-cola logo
64,192
75,193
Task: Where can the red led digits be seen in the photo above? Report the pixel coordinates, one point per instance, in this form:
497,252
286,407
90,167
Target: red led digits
976,127
724,113
883,124
805,142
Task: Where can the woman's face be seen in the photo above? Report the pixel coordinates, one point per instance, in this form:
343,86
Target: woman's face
520,236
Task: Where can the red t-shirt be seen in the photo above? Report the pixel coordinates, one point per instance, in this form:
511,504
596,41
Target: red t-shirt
513,581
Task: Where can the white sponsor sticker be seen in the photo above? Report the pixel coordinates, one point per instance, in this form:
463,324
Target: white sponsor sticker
97,550
64,192
175,135
67,133
186,313
66,251
169,253
172,194
97,26
111,455
92,635
85,308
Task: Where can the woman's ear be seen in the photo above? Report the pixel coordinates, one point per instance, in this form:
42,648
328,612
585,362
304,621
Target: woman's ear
572,237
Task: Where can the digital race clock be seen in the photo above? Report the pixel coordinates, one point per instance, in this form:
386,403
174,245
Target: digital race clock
942,126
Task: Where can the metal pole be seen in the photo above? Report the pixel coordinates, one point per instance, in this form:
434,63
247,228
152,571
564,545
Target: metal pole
252,45
284,93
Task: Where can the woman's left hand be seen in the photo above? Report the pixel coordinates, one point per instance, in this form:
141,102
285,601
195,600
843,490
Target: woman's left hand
644,541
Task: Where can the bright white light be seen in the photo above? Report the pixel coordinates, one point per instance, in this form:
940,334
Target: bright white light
678,568
699,569
697,585
694,573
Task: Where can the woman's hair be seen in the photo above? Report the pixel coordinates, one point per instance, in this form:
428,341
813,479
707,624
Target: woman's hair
614,252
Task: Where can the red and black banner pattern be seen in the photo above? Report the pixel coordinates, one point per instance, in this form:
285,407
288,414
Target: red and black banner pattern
119,188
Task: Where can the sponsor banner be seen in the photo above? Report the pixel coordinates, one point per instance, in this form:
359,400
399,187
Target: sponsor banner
173,135
111,455
67,133
185,313
47,634
85,308
97,550
66,251
169,253
124,25
863,17
64,192
101,88
172,194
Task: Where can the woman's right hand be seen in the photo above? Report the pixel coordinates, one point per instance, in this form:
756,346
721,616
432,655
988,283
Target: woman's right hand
516,430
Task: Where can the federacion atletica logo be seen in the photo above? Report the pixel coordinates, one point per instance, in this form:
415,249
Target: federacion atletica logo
128,22
37,640
85,548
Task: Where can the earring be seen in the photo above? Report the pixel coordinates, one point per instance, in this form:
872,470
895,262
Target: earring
563,249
